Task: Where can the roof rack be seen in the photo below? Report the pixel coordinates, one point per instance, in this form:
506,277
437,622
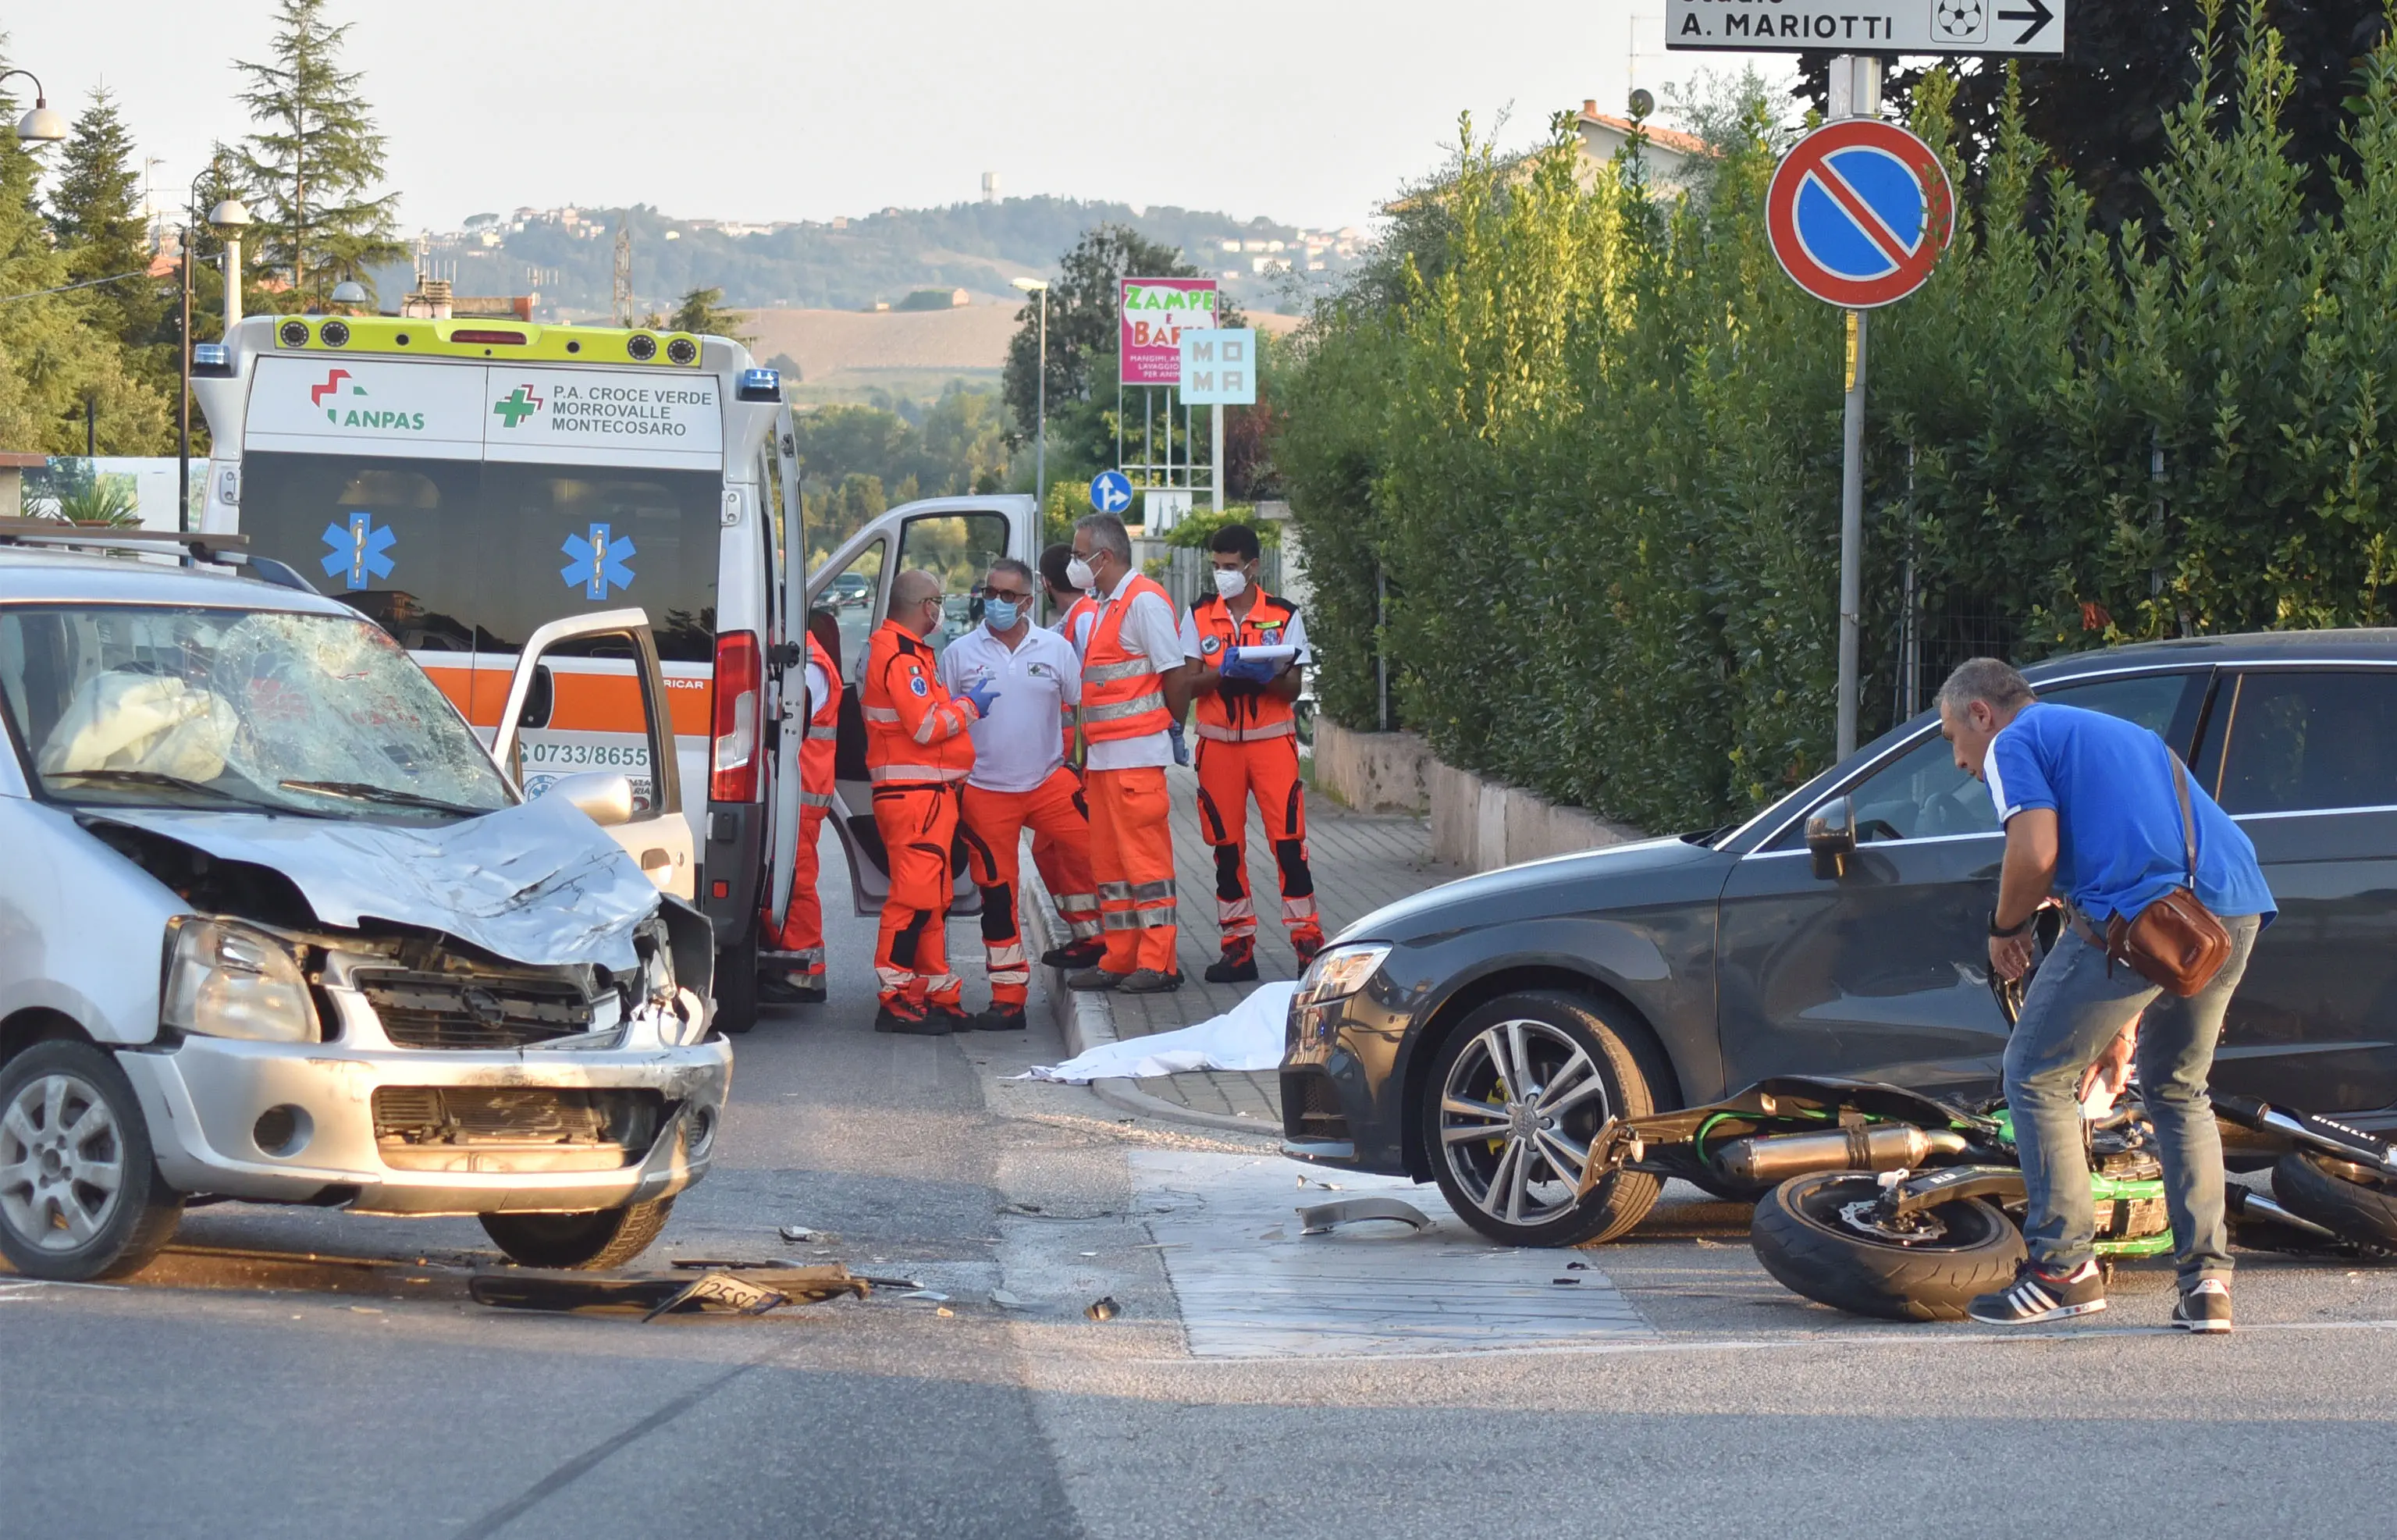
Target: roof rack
117,537
217,550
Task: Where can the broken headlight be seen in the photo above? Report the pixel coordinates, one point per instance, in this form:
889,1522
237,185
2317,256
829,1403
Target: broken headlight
225,979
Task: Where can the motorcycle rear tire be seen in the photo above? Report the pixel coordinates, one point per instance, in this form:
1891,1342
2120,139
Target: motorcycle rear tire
1801,1241
2312,1185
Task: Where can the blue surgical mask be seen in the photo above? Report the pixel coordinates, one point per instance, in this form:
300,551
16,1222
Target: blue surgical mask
1002,614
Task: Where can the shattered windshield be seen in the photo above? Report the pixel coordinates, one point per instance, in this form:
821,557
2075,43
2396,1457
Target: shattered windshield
320,715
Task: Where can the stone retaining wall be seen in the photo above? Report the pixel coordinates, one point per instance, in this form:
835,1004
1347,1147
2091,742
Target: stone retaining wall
1475,823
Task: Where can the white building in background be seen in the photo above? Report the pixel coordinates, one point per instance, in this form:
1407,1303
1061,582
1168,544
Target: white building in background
990,187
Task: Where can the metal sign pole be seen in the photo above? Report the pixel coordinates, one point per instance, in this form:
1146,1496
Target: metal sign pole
1852,534
1855,93
1215,460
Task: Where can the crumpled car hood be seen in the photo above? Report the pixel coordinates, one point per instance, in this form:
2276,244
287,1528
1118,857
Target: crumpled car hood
538,883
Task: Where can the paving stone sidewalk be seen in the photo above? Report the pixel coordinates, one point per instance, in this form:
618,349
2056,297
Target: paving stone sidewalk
1361,861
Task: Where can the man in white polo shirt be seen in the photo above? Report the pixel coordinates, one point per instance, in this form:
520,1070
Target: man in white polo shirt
1019,779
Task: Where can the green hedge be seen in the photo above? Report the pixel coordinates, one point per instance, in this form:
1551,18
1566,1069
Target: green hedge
1596,451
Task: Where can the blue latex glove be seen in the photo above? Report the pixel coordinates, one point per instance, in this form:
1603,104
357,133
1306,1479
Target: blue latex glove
1254,670
982,695
1181,746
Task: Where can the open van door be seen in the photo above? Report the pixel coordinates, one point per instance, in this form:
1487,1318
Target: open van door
642,810
954,538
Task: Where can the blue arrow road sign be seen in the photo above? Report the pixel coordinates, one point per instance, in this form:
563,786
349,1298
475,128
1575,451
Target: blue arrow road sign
1111,492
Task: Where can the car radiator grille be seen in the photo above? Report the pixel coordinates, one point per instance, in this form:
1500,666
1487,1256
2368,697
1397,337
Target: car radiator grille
444,1011
510,1114
1310,1106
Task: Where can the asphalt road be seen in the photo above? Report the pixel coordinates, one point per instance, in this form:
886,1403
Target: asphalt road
300,1373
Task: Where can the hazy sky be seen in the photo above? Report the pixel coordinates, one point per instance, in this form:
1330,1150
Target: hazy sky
1308,111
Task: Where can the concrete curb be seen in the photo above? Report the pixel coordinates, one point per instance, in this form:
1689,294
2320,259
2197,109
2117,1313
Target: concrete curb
1087,1020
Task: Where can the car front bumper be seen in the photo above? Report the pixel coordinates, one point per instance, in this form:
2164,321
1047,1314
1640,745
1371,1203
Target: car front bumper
207,1103
1342,1086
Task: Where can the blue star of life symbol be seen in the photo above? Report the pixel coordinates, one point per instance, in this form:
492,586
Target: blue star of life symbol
361,549
599,562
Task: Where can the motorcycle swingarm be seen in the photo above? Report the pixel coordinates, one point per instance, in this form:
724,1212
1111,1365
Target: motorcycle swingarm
1929,1189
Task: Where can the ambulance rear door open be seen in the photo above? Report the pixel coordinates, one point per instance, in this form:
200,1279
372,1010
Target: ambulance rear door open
954,538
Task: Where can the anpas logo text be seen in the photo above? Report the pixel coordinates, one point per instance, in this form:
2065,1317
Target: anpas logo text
343,416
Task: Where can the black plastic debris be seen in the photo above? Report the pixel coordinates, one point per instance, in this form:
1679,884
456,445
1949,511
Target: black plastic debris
1324,1217
741,1291
1104,1308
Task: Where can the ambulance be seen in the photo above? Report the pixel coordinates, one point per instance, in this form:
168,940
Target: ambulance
464,483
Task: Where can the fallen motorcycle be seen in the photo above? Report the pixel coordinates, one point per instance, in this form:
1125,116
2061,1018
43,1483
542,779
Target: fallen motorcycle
1904,1242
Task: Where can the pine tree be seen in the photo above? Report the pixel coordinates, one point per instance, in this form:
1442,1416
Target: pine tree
95,219
702,313
315,157
54,362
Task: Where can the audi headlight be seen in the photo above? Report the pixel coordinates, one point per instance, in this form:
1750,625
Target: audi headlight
225,979
1339,973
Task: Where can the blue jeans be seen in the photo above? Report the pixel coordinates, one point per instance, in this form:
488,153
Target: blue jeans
2071,1012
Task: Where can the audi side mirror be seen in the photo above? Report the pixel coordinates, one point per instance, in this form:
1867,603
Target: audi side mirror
1832,837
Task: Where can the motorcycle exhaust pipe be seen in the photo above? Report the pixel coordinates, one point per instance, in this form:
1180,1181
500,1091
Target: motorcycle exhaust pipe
1769,1160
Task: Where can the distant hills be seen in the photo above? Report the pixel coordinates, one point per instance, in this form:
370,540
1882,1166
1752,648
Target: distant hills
568,255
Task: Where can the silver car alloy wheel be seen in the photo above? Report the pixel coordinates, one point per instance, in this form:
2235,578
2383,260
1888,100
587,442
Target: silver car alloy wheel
61,1162
1516,1114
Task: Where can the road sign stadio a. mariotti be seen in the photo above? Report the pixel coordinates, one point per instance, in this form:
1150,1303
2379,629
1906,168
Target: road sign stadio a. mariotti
1858,213
1866,26
1156,313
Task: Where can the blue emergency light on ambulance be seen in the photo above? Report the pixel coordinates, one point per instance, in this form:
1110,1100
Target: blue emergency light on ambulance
760,384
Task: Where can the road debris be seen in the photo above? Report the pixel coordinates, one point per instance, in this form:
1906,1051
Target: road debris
1006,1300
746,1291
1104,1308
800,1235
1324,1217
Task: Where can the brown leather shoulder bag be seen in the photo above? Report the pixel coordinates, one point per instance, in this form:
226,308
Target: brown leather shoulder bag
2176,943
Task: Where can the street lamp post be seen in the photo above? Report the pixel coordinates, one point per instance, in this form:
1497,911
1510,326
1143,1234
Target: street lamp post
45,124
228,218
1040,286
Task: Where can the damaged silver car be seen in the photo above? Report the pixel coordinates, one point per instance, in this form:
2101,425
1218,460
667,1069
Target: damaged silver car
276,926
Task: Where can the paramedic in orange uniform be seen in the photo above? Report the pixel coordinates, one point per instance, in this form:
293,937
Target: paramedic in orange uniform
1019,779
1068,890
793,969
918,752
1132,690
1248,746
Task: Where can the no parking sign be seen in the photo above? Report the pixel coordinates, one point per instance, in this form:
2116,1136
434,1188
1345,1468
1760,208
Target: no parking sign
1858,213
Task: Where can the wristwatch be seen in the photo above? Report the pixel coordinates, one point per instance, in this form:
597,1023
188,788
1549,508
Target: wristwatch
2003,933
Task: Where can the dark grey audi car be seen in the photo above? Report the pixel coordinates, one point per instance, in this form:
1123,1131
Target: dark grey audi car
1478,1035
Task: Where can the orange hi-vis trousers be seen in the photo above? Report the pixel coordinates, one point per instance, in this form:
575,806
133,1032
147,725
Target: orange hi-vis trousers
796,944
1228,775
1131,855
995,822
919,823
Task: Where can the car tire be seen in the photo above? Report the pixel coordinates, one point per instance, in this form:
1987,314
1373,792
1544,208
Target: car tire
1801,1240
603,1237
1492,1183
2340,1197
736,986
100,1131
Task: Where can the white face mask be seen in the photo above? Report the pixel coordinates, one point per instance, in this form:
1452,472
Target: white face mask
1231,583
1079,573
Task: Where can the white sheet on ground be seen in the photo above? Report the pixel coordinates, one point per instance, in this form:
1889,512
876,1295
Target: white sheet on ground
1247,1036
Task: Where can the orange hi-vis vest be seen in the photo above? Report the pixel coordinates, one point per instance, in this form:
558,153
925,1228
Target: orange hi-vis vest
915,733
1122,696
1239,710
824,733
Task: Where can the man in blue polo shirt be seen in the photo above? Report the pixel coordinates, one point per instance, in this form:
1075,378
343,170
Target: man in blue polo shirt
2091,809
